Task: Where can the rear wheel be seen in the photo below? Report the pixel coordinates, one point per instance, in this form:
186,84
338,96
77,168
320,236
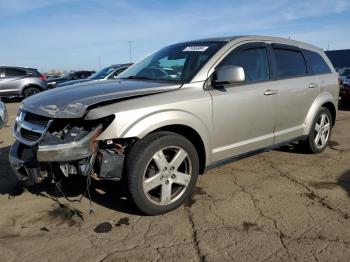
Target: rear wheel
320,132
29,91
162,170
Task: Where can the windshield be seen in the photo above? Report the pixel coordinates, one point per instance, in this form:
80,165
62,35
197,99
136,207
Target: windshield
102,73
67,75
175,63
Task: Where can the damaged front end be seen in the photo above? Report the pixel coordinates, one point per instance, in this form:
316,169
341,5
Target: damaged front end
56,148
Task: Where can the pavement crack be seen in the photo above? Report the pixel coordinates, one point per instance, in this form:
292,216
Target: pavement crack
310,193
195,240
262,214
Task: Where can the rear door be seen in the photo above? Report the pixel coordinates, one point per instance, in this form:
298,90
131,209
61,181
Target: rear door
319,66
296,87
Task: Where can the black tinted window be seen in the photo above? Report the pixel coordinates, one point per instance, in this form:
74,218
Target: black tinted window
76,76
318,65
254,62
12,72
290,63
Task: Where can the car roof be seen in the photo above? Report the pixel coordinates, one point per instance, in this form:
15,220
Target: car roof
256,38
18,67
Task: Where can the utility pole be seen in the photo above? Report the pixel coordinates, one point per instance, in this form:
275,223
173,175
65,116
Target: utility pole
130,42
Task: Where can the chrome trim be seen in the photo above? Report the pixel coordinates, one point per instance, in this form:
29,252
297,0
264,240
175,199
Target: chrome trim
33,127
22,124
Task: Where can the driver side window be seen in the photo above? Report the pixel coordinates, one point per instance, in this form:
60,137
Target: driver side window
254,62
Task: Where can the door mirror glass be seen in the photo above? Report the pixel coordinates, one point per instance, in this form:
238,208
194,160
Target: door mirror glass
229,74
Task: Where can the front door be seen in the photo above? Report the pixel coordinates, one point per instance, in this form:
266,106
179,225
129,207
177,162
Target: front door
244,114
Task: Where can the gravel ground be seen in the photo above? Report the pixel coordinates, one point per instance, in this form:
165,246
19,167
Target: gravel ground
277,206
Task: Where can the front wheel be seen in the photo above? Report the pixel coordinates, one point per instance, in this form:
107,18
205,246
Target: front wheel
320,132
162,170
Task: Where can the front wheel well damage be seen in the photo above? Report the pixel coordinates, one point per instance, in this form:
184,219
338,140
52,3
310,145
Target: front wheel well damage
193,137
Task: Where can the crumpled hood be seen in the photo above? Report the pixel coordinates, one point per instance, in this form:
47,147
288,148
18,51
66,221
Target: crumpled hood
73,101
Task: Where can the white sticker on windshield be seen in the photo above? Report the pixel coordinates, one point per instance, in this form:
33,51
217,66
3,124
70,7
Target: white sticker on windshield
195,48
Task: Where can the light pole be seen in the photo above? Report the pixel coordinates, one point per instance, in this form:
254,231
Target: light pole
130,42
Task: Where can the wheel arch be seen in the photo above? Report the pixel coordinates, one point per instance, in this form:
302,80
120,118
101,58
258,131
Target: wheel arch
30,85
326,100
178,121
330,106
193,136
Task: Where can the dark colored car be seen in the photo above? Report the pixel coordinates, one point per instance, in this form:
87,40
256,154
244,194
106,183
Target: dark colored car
20,81
345,89
110,72
77,75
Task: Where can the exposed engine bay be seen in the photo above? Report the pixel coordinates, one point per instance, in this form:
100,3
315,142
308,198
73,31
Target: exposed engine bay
56,148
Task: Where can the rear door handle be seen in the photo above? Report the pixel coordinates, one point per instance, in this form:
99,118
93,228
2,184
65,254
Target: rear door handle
270,92
313,85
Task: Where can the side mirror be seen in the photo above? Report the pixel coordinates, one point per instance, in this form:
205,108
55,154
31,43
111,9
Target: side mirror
229,74
3,115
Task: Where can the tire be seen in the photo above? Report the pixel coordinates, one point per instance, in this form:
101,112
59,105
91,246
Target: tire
149,171
316,144
29,91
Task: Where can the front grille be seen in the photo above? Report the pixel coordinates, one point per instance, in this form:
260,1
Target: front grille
30,128
36,119
29,135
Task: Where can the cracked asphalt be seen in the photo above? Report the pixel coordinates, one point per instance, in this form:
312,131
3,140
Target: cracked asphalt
281,205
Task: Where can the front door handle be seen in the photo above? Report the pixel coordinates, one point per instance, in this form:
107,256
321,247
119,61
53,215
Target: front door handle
313,85
270,92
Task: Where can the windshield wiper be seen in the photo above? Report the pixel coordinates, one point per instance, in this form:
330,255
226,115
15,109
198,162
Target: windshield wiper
152,79
140,78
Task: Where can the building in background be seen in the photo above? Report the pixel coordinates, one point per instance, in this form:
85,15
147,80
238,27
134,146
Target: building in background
339,58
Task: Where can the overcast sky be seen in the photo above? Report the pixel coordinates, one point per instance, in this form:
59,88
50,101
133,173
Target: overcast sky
86,34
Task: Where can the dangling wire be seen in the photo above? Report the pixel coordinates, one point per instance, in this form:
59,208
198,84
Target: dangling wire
88,173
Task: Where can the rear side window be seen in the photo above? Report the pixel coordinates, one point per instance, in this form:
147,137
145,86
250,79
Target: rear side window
317,63
12,72
290,63
254,62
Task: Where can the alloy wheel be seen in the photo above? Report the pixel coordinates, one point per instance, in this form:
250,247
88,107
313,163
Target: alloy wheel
322,130
167,175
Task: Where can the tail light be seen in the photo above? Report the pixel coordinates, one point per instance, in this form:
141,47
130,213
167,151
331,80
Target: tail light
42,77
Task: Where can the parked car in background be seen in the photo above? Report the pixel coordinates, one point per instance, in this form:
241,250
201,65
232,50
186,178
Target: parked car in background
343,73
224,99
345,90
77,75
3,114
110,72
20,81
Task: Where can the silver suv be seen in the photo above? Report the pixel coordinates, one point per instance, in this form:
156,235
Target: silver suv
3,115
181,111
20,81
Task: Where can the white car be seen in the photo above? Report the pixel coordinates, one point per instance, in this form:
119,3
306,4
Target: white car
3,115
